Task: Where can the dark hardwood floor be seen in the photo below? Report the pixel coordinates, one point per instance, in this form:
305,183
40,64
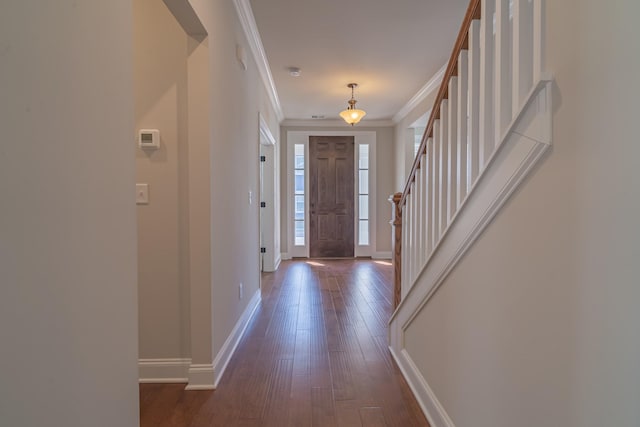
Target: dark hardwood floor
315,354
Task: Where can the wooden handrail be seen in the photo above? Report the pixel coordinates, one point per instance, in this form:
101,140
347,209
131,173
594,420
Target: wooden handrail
462,42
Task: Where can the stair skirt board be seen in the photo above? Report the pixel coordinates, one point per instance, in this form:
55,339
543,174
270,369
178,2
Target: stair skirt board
431,407
198,376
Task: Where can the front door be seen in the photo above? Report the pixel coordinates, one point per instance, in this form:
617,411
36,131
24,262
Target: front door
331,196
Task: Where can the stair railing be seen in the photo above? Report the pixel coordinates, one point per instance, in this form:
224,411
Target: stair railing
492,71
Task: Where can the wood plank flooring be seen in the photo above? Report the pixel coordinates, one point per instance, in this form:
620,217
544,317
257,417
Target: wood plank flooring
315,354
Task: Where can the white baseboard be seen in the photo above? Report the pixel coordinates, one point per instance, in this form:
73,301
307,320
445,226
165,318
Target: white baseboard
198,376
201,377
425,396
381,255
285,256
277,261
229,347
163,370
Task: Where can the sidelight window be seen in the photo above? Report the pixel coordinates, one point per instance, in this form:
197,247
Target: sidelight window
363,194
298,171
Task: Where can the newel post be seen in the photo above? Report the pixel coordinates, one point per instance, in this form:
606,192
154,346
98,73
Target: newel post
397,249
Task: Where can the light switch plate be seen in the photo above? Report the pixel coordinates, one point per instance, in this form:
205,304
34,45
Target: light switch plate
142,194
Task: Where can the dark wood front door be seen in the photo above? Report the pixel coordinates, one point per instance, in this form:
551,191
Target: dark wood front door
331,197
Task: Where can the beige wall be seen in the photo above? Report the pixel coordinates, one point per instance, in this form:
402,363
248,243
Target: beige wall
68,300
199,234
160,89
384,181
237,96
538,324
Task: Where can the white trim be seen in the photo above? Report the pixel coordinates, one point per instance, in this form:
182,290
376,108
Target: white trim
429,403
433,84
248,22
201,377
525,142
336,123
163,370
266,137
229,347
269,192
277,261
285,256
302,137
381,255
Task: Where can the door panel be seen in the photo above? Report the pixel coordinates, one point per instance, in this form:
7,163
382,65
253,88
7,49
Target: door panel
331,196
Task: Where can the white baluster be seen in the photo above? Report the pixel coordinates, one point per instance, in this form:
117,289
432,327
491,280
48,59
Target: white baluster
522,52
436,182
502,79
424,205
461,131
409,247
538,18
417,232
430,189
473,137
444,164
405,247
486,108
452,145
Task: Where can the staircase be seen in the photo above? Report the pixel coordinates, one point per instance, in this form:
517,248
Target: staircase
489,126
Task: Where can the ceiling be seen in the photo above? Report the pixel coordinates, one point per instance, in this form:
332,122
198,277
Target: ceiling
391,48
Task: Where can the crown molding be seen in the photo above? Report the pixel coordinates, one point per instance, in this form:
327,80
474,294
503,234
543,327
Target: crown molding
430,86
248,22
336,123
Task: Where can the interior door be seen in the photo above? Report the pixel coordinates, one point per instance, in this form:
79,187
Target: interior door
331,196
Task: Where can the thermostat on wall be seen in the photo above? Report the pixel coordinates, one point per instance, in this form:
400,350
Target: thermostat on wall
149,139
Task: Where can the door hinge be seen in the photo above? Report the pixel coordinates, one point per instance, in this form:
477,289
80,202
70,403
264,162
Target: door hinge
263,250
263,158
263,204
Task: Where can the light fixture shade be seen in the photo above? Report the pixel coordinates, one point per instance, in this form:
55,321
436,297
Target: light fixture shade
352,116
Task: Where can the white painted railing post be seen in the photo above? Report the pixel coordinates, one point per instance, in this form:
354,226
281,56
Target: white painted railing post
462,122
495,65
502,66
486,107
430,190
435,213
452,146
474,103
522,51
444,164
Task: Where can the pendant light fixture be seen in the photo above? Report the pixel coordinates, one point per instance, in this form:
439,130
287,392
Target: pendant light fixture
352,115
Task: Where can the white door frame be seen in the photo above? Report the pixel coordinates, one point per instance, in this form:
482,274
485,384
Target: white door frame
302,137
268,195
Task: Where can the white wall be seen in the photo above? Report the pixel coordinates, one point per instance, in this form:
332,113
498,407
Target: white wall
384,181
68,300
538,324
